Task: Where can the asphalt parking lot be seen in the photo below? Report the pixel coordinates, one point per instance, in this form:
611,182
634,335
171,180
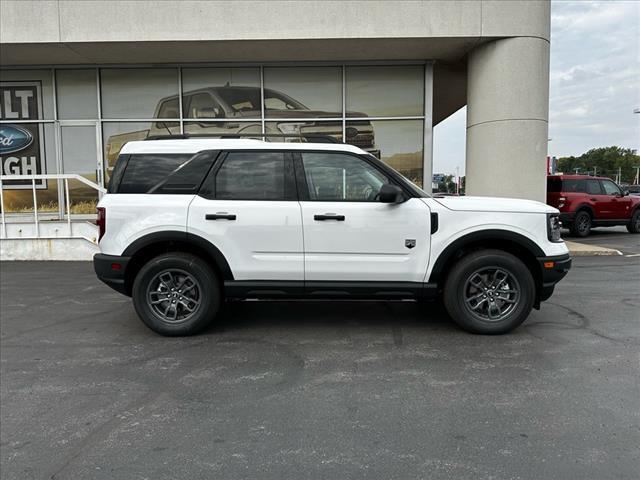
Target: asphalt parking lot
318,390
617,238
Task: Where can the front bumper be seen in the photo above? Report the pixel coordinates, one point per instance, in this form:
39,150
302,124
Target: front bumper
111,269
553,270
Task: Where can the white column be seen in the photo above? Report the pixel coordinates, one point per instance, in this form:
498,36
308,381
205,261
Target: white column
507,118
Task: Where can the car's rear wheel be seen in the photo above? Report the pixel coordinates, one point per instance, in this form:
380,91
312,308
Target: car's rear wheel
489,292
581,225
634,225
176,294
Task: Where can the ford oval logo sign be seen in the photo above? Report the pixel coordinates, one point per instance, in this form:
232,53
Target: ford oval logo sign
14,139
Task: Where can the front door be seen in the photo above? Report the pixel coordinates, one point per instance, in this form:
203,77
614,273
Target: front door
617,205
248,209
348,234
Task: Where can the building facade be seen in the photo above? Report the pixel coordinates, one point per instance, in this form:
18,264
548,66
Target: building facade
79,79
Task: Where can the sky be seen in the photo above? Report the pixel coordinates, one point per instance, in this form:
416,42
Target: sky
594,83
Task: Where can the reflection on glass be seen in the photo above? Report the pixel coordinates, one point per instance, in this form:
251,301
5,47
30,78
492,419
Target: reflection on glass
229,128
79,156
221,93
389,91
301,92
396,142
116,134
35,157
304,131
139,93
77,97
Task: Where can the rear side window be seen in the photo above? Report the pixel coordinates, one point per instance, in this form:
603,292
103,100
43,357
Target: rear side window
145,171
593,187
250,176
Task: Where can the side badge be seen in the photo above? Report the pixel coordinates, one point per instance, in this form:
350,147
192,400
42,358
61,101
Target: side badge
410,242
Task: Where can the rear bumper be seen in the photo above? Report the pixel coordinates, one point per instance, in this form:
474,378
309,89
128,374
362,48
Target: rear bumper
553,270
567,217
111,270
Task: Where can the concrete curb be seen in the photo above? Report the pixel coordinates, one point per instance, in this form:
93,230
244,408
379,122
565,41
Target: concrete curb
584,250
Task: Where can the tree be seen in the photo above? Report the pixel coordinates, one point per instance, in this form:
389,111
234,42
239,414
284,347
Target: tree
447,185
603,161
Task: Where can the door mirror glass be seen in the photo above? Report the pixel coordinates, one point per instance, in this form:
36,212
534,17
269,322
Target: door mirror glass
390,194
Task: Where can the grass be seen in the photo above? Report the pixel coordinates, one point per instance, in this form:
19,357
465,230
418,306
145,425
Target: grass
85,207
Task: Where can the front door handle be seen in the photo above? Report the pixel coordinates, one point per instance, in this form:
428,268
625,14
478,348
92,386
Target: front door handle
220,216
329,216
593,199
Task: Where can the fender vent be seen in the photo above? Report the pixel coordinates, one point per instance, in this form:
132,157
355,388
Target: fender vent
434,223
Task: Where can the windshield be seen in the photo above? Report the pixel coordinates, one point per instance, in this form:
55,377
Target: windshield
243,99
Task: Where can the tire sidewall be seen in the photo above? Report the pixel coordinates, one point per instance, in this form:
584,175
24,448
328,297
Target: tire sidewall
631,227
576,222
209,292
456,282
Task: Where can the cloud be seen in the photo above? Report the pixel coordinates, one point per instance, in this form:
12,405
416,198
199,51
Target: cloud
594,82
595,75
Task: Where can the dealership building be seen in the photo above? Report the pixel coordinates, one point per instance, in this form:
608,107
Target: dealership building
78,79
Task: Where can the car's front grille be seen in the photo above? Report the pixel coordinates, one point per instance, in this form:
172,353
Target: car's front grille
361,140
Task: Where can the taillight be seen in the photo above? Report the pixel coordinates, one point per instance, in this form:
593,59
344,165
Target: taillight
101,222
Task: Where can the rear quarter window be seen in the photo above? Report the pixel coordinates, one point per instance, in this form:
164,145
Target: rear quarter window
156,173
565,185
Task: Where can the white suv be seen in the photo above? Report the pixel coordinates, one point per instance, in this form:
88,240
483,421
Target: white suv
188,223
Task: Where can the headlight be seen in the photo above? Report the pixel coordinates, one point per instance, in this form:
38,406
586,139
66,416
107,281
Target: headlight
553,227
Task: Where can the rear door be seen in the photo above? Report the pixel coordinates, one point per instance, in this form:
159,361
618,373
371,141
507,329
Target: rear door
349,235
597,198
247,208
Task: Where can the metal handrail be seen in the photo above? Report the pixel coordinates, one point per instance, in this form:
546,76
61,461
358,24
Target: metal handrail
49,176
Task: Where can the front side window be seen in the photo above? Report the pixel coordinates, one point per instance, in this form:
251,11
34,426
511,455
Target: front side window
610,188
339,177
251,176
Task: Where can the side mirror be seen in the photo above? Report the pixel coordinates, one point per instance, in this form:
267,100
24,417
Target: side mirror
390,194
625,193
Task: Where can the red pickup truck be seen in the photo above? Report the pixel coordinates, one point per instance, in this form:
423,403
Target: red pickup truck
585,202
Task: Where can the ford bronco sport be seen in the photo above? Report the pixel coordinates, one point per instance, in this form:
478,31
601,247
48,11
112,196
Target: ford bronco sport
585,202
188,223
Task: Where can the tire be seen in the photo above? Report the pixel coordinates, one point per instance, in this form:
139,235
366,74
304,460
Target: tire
581,225
196,294
634,225
463,292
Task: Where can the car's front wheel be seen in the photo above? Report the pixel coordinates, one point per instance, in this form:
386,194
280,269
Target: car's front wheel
634,225
489,292
176,294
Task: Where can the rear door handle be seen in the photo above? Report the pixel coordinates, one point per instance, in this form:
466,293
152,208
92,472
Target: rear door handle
329,216
220,216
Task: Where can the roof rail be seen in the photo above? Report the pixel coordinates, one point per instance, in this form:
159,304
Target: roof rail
312,137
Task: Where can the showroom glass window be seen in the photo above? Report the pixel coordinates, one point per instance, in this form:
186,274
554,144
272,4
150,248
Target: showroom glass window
86,114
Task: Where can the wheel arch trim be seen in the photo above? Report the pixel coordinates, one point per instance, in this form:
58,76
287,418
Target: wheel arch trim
184,238
476,237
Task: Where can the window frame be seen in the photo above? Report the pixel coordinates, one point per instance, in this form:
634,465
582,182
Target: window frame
208,188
